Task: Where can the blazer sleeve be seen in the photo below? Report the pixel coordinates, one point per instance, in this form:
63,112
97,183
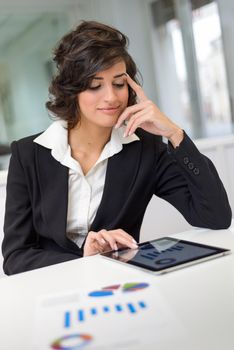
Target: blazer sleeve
189,181
20,247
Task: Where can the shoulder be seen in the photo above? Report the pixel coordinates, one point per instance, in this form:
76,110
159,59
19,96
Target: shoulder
25,147
26,141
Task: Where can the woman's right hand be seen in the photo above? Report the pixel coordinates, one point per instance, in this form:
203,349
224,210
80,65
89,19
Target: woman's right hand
103,240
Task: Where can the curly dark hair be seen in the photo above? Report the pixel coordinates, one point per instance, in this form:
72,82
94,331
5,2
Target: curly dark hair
79,55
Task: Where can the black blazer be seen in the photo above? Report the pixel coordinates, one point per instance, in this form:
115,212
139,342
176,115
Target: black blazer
37,197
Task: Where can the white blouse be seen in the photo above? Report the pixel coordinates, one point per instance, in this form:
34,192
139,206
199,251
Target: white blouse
84,191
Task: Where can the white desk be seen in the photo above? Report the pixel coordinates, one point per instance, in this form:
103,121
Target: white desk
200,297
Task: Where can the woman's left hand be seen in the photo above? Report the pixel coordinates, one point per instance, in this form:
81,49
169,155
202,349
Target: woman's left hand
146,115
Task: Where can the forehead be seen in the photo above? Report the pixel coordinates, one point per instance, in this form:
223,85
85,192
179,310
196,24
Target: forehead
116,69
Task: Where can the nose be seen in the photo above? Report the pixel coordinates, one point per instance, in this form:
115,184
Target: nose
110,94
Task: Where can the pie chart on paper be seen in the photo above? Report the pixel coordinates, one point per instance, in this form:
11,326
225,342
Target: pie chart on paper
133,287
101,293
125,288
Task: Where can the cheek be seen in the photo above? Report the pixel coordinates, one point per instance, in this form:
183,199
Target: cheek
86,100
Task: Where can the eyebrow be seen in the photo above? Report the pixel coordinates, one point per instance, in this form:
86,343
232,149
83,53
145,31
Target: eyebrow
116,76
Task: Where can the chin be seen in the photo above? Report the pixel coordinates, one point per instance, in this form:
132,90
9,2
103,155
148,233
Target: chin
109,123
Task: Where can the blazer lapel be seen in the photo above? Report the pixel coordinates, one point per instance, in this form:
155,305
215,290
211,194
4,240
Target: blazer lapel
121,173
53,182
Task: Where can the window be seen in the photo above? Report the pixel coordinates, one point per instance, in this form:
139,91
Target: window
192,84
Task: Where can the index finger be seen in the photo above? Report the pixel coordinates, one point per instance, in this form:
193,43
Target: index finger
137,88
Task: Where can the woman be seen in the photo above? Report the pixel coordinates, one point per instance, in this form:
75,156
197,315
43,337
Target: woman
82,186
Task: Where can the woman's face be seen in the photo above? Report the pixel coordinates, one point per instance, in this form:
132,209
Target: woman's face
106,98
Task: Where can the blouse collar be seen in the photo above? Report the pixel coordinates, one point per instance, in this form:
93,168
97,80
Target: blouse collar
55,137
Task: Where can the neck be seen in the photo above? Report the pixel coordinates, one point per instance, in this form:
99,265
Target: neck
88,137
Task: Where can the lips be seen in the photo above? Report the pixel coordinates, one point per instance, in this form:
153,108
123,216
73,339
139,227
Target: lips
109,110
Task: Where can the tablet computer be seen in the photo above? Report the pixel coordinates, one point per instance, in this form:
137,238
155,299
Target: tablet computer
166,254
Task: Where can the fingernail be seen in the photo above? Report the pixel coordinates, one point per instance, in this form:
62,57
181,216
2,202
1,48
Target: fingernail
134,241
116,126
115,247
134,246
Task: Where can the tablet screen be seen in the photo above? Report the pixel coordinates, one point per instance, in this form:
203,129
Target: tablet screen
165,253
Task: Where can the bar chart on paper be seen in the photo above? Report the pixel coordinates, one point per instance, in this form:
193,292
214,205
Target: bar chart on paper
71,318
104,318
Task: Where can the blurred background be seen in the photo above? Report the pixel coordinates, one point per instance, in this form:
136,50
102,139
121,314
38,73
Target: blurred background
183,48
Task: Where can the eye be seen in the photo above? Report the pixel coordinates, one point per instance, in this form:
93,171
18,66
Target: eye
119,86
94,87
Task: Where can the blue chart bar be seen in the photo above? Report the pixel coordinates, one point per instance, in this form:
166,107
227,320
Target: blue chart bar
131,308
81,315
142,304
106,309
93,311
118,308
67,319
147,257
154,255
180,247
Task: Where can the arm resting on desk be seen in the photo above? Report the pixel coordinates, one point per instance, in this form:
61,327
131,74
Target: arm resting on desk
29,242
33,258
190,182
